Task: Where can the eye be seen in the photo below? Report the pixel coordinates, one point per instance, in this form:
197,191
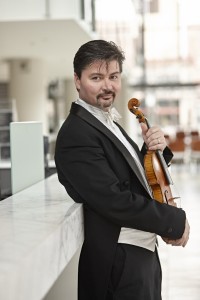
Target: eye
114,77
96,78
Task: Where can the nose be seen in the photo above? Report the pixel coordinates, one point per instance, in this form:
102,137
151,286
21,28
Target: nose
107,85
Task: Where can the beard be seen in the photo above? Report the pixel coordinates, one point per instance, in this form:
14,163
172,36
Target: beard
106,99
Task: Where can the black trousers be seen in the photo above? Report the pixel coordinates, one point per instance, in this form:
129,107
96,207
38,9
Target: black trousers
136,274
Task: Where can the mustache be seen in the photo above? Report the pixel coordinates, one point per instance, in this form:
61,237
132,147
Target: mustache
105,93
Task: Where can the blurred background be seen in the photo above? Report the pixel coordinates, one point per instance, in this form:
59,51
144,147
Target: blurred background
161,41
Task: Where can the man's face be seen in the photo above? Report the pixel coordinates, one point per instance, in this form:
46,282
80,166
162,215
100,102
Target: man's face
99,84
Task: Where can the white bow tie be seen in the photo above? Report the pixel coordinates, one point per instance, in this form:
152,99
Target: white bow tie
113,114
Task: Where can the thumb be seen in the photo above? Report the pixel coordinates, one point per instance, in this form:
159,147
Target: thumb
144,128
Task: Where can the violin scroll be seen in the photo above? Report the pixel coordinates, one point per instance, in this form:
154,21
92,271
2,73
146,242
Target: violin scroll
133,105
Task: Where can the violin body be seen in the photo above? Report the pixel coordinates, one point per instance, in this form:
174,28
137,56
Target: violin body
158,183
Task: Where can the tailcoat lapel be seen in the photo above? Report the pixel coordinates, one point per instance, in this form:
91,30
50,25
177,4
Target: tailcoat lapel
132,144
89,118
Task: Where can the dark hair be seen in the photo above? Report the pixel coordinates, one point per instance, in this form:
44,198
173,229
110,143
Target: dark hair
97,50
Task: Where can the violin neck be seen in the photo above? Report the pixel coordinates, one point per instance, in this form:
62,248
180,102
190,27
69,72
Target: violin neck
147,122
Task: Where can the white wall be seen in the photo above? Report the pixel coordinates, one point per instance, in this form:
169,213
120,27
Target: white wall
21,9
27,154
65,9
37,9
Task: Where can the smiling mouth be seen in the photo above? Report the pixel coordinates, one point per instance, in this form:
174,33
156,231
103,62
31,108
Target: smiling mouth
106,96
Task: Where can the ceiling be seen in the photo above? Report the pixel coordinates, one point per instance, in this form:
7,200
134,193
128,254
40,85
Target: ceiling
54,41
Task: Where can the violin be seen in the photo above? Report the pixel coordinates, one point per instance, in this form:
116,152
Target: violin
156,169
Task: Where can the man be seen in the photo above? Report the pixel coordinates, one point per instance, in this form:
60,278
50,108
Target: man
101,167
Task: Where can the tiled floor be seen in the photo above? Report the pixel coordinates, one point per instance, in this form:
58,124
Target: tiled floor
181,266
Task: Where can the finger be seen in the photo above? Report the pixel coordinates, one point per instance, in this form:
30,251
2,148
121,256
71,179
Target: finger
185,241
144,128
156,145
153,135
154,130
178,242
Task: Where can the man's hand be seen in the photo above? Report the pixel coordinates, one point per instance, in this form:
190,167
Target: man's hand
183,240
153,137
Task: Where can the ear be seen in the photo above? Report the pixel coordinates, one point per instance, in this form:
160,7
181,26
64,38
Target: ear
77,81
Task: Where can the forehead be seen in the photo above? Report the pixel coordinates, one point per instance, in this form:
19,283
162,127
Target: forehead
103,66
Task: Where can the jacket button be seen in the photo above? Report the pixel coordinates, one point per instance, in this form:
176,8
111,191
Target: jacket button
126,183
169,230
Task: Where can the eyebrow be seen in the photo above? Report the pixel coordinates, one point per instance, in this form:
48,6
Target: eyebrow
98,73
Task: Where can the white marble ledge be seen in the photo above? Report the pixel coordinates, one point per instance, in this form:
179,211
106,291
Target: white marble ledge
40,230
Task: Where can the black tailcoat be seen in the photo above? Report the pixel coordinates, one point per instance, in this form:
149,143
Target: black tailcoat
97,170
